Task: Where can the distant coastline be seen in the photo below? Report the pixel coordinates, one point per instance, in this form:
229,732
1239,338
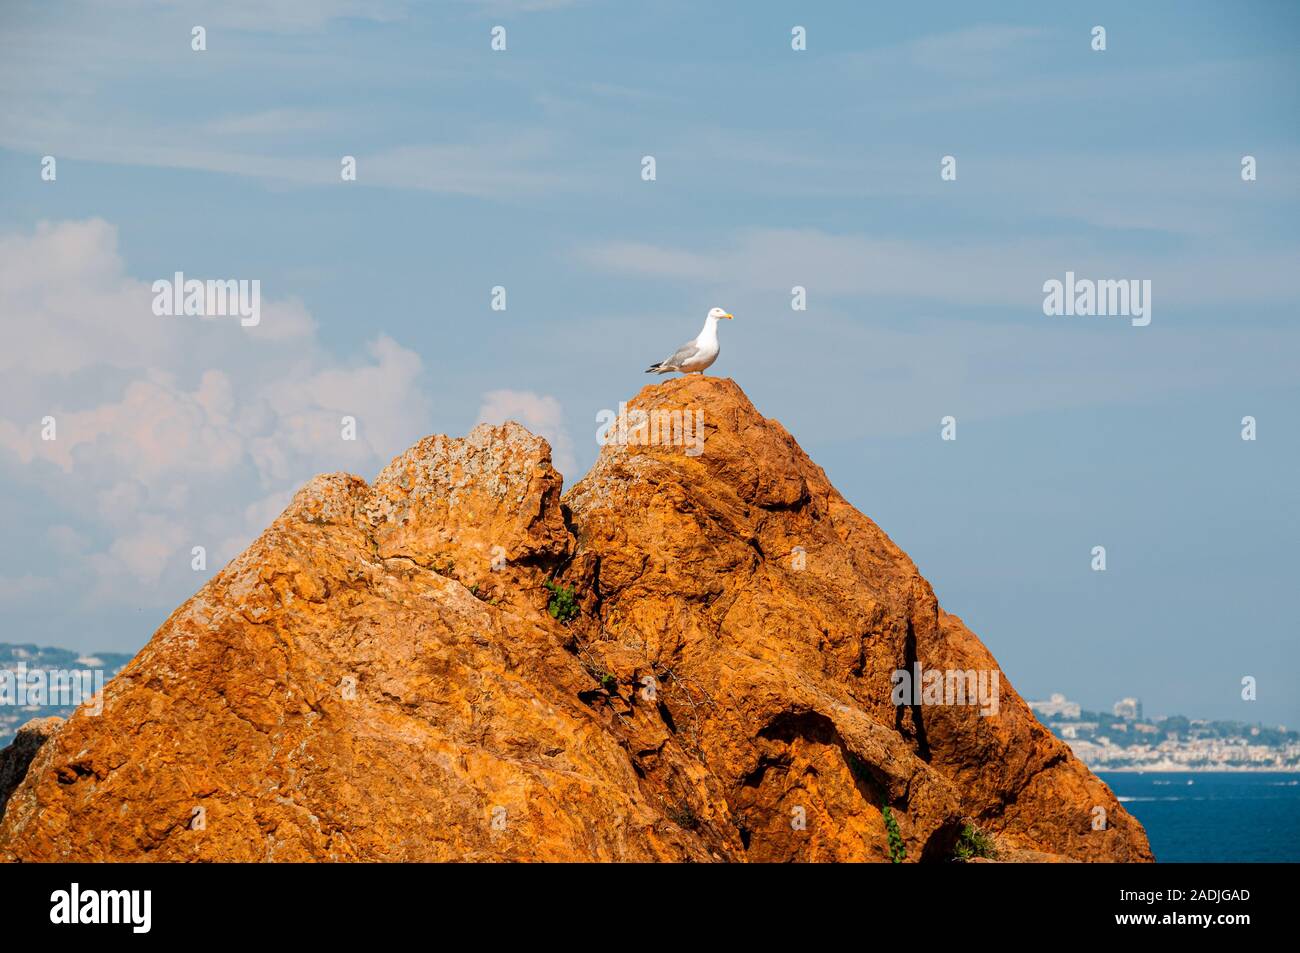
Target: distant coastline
1126,741
21,664
1192,769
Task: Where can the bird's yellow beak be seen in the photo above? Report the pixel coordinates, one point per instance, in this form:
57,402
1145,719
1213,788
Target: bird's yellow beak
728,316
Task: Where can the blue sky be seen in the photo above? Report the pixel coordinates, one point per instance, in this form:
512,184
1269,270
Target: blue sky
775,168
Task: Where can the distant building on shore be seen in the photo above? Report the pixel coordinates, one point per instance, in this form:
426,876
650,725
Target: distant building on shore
1057,707
1129,708
1125,741
1076,729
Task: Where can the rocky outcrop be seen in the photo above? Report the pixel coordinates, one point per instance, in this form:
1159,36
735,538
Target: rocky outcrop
16,757
394,672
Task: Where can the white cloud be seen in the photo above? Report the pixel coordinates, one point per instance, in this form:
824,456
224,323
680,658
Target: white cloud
172,432
541,414
68,279
140,555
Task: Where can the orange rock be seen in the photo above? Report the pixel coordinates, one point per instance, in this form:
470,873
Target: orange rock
378,678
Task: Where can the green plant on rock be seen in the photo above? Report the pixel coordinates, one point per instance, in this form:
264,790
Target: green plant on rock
974,842
897,852
563,604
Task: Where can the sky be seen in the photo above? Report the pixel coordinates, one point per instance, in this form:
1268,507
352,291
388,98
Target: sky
774,167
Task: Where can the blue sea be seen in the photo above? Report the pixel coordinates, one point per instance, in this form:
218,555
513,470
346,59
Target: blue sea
1214,816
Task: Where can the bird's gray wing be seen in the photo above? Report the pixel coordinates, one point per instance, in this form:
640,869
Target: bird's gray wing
681,355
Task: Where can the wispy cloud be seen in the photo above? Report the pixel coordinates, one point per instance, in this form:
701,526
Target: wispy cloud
269,122
280,16
541,414
1005,272
509,7
515,162
498,163
981,50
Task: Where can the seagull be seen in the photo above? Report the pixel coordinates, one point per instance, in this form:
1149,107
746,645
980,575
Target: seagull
694,356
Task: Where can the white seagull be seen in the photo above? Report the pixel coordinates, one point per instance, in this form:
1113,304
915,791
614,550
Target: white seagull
694,356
